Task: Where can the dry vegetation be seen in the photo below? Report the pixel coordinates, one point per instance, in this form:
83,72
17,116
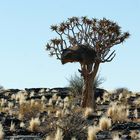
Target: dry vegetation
53,116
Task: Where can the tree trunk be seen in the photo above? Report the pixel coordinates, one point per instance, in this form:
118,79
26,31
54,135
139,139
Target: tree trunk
88,95
88,99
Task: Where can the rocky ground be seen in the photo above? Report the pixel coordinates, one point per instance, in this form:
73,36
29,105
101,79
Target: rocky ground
48,114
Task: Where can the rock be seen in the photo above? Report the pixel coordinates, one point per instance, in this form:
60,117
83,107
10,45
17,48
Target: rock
126,126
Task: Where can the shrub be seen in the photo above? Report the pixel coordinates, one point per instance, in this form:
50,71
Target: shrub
76,83
73,125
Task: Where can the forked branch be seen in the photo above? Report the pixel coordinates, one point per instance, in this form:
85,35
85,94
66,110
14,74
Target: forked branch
100,35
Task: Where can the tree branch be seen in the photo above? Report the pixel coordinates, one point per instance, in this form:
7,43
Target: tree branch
109,58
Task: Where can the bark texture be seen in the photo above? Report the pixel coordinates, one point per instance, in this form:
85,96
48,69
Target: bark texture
89,74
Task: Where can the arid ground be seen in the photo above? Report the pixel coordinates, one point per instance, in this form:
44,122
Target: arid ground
55,114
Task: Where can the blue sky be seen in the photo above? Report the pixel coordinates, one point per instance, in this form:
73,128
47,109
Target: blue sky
25,29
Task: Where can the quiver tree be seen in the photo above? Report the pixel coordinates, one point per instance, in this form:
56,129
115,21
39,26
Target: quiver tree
89,42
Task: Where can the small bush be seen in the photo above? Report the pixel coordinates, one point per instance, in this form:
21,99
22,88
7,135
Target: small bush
73,125
76,84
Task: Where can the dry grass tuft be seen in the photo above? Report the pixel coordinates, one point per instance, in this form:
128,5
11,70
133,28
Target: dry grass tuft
88,112
34,124
118,113
22,125
73,138
136,113
106,97
92,130
137,102
49,138
104,123
59,134
116,137
135,135
58,113
30,109
12,127
1,132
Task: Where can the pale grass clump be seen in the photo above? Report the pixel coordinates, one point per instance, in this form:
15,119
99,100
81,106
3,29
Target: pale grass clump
61,105
1,132
55,97
25,93
106,97
59,134
137,102
121,96
65,111
134,94
22,99
3,102
4,109
73,138
12,127
127,112
10,105
118,112
11,112
43,119
42,91
43,98
30,109
104,123
59,113
20,96
116,137
99,113
22,125
66,99
66,105
50,103
98,100
13,96
124,96
34,124
49,112
49,138
32,102
136,113
128,96
32,94
135,134
88,112
92,130
59,98
20,116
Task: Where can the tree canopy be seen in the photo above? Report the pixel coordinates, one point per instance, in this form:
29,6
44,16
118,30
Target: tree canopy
100,35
